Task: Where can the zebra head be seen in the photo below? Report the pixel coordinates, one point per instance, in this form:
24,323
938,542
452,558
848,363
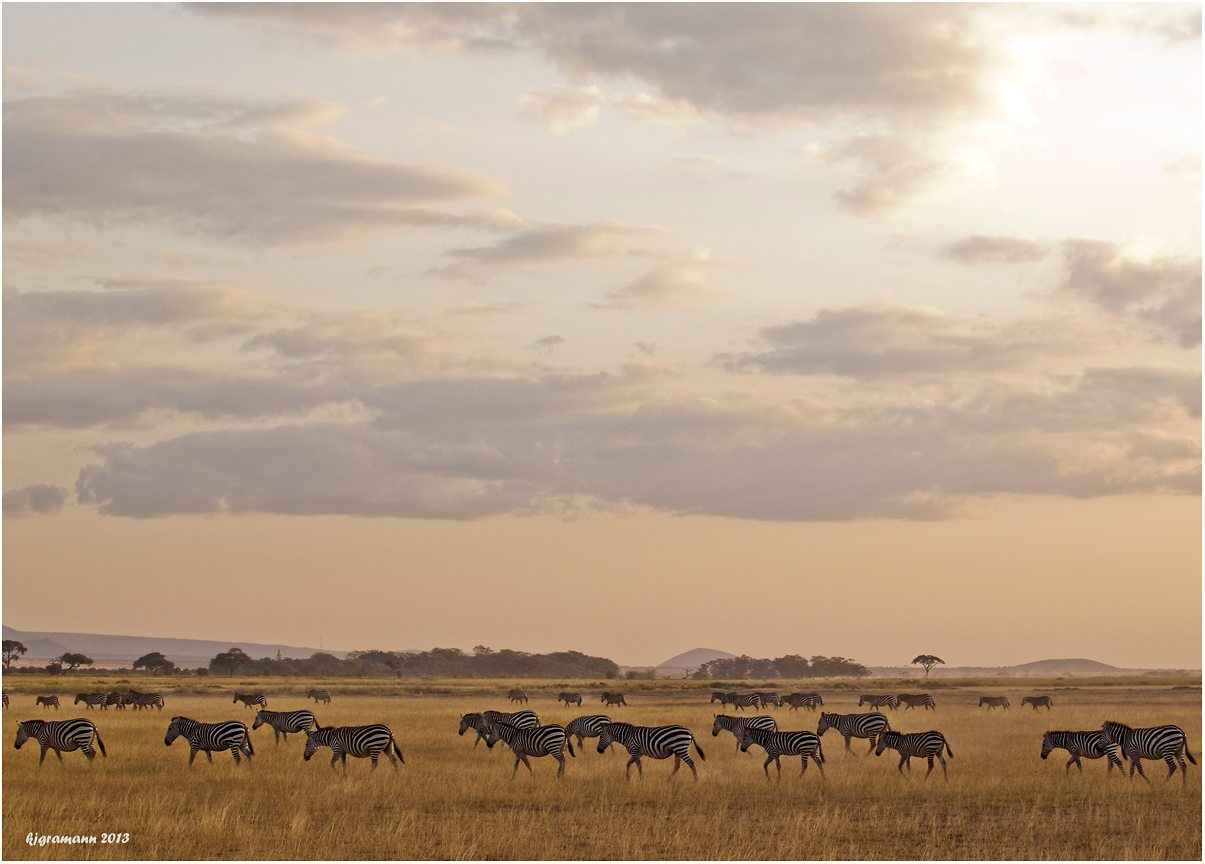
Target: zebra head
469,721
722,721
717,696
499,731
174,731
260,720
1047,745
890,739
22,735
1113,732
320,737
609,734
745,738
827,721
80,697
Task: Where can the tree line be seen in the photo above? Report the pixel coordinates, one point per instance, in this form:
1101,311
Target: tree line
789,666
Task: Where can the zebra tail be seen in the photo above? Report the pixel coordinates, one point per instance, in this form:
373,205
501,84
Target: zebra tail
820,750
1186,753
569,744
101,745
699,749
949,752
397,749
250,749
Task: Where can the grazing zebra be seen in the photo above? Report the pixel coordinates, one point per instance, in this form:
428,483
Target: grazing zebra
482,722
909,700
1035,701
736,725
357,741
656,742
879,701
91,699
744,700
144,700
228,735
778,744
803,700
570,699
1088,745
768,699
284,722
1156,742
723,698
614,699
927,744
319,696
869,725
516,696
48,701
249,699
994,702
548,740
61,736
586,727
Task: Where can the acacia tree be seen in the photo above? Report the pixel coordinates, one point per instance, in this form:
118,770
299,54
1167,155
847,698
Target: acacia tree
154,663
928,661
231,660
74,661
12,648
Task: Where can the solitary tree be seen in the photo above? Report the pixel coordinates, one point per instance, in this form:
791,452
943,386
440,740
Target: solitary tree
231,660
154,663
928,661
11,649
74,661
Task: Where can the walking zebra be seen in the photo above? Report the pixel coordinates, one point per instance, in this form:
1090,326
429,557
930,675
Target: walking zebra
284,722
614,699
357,741
722,697
1155,742
114,698
144,700
778,744
319,696
228,735
249,699
62,736
548,740
736,725
927,744
1035,701
879,701
482,722
768,699
1087,745
744,700
48,701
516,696
570,699
656,742
994,702
909,700
803,700
869,725
586,727
91,699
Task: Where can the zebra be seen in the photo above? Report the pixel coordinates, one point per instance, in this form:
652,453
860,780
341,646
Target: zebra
803,700
357,741
879,701
927,744
768,699
1035,701
1156,742
61,736
548,740
48,701
516,696
778,744
614,699
144,700
656,742
91,699
570,699
249,699
1088,745
911,701
318,695
482,722
5,699
869,725
736,725
723,698
114,698
994,702
228,735
284,722
744,700
586,727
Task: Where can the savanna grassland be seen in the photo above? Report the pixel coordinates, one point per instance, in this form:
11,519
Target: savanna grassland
454,800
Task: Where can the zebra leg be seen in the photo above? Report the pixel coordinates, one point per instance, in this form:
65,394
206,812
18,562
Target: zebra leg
46,747
1137,763
627,772
677,765
1074,760
234,749
943,767
900,767
1183,768
560,757
686,758
372,757
847,750
766,767
872,743
1171,766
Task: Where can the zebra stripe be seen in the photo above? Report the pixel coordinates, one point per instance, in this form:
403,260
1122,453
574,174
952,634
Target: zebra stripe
570,699
586,727
228,735
548,740
1155,742
924,700
62,736
358,741
1035,701
744,700
803,700
778,744
926,744
737,725
516,696
284,722
869,725
91,699
768,699
994,702
656,742
145,700
249,699
1087,745
482,722
614,699
879,701
114,698
48,701
319,696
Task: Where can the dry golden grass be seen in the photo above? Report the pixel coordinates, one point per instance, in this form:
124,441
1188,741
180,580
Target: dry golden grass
451,800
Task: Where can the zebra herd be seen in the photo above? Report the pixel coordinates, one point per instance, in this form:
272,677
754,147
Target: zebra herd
763,699
118,699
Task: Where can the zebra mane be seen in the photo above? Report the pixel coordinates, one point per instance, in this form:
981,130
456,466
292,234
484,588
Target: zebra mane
1117,725
182,717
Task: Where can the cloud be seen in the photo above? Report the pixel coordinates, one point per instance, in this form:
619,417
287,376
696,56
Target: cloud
543,244
670,283
548,344
562,108
991,249
40,500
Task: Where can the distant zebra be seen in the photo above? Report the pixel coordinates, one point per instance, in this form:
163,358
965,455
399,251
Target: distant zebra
570,699
284,722
1155,742
516,696
879,701
924,700
48,701
779,744
768,699
318,696
803,700
614,699
723,698
744,700
926,744
548,740
869,725
228,735
482,722
736,725
586,727
1087,745
656,742
357,741
5,699
1035,701
145,700
994,702
114,698
62,736
249,699
91,699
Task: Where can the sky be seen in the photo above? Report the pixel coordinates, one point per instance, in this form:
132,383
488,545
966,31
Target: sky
859,330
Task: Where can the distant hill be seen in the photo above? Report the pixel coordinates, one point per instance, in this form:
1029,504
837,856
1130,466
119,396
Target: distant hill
696,657
1077,666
